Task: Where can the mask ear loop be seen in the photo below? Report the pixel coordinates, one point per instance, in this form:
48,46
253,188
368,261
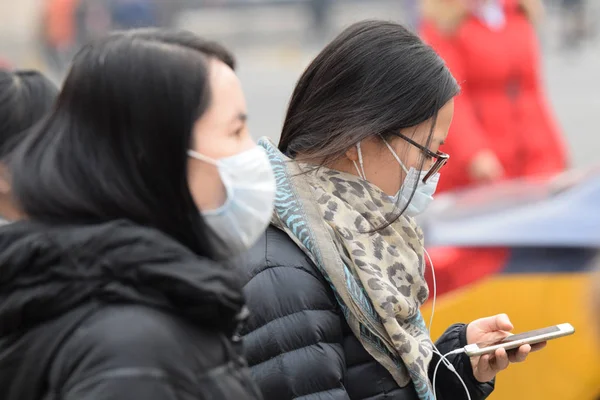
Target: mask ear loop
395,156
357,170
361,171
201,157
434,289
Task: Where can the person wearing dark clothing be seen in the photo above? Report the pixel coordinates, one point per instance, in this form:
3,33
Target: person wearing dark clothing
335,288
115,311
307,338
113,288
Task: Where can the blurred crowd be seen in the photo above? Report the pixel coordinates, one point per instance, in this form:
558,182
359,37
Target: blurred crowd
67,24
152,249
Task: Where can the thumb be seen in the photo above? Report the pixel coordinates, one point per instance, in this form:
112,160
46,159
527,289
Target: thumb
499,322
502,323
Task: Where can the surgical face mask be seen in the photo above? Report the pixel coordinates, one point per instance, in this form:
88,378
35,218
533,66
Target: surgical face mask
423,194
250,188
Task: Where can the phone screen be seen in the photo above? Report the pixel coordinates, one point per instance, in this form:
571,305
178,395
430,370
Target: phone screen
520,336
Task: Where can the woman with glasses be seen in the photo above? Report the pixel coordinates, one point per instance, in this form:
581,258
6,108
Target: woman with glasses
335,287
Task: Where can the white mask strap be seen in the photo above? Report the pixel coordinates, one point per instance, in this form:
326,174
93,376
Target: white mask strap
360,162
201,157
395,155
357,170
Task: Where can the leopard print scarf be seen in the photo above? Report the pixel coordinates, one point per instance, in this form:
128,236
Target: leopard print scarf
377,277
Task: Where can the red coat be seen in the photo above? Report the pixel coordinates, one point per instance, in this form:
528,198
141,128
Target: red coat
502,106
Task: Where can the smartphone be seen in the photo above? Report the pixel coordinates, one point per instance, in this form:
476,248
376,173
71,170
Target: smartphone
514,341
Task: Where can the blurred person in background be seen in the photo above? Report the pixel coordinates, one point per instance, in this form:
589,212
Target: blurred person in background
69,24
507,128
131,14
320,11
133,187
93,19
413,13
503,127
336,285
25,98
59,31
576,26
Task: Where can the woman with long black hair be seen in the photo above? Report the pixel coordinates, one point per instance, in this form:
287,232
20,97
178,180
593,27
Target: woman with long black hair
336,286
133,188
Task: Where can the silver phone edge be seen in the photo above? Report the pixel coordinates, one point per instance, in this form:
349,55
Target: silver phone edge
565,330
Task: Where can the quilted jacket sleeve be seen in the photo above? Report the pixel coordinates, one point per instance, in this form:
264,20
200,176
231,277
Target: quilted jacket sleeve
448,386
294,331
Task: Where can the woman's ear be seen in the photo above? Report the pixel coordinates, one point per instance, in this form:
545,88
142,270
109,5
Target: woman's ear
352,153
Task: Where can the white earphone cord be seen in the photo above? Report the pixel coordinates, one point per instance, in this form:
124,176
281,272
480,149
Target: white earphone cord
434,289
443,357
448,364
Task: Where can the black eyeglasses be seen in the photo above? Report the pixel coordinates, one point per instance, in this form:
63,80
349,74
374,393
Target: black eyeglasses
440,158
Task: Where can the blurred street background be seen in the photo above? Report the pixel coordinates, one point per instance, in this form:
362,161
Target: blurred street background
528,258
275,39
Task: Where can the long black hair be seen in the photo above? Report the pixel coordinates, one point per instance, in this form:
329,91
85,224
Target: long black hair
115,146
26,96
375,79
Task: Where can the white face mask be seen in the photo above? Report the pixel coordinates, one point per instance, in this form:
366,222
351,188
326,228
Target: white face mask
250,187
423,194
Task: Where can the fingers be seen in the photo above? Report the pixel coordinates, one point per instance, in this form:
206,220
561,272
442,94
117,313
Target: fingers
503,323
483,371
538,346
488,365
499,361
520,354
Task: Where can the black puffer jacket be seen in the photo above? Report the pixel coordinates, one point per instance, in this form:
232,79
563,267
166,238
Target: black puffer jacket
299,345
115,312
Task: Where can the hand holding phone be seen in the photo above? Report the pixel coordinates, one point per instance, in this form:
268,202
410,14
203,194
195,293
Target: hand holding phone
513,342
487,332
